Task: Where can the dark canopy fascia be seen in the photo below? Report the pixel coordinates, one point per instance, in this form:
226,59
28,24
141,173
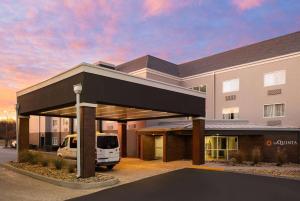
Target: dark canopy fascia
110,87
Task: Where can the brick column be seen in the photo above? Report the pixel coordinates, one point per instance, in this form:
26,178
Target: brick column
122,133
198,154
87,141
23,138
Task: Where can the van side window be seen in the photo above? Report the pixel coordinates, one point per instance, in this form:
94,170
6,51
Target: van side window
65,143
73,142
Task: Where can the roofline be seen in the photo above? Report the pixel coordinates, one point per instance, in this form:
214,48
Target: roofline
94,69
221,129
222,70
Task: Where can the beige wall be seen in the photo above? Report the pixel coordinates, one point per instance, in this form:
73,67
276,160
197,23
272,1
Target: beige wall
252,94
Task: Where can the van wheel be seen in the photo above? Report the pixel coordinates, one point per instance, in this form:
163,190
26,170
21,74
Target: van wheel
110,167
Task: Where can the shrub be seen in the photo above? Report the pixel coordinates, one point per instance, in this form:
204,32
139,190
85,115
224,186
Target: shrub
256,155
24,156
58,163
71,168
29,157
233,161
45,162
281,157
238,156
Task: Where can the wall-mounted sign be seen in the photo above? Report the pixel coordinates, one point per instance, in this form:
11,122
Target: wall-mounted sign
280,142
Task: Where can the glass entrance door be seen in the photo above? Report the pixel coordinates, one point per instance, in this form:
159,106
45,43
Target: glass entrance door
219,147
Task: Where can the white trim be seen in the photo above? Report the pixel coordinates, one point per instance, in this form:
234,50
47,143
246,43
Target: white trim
156,72
87,105
89,68
242,66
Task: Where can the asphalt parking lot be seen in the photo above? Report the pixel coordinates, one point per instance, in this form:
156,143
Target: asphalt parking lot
202,185
7,154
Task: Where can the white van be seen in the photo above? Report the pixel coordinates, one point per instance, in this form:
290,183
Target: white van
107,149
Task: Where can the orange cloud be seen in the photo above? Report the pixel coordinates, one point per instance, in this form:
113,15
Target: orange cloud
247,4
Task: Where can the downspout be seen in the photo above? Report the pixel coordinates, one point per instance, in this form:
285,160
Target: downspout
214,95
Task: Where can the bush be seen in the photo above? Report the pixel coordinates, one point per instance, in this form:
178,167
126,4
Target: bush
238,156
24,156
281,156
256,155
58,163
45,162
71,168
29,157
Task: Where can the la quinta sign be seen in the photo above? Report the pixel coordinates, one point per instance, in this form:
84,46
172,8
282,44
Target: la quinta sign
280,142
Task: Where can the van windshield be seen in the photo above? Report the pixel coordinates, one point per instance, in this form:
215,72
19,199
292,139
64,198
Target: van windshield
107,142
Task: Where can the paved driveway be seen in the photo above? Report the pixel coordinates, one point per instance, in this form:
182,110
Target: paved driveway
202,185
7,154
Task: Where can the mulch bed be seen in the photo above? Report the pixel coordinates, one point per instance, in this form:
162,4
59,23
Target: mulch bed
62,174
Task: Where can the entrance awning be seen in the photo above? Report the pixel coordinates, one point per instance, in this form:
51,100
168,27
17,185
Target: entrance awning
116,96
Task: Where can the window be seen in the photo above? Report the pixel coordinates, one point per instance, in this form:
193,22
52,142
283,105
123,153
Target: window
274,78
65,122
55,141
201,88
231,113
274,110
107,142
73,142
220,147
231,85
54,122
65,143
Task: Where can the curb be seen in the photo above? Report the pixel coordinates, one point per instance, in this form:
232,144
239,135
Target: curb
207,168
265,175
57,182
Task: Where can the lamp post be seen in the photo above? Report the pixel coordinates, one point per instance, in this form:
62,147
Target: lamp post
77,90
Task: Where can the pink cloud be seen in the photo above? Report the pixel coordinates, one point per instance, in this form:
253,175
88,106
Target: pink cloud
155,7
247,4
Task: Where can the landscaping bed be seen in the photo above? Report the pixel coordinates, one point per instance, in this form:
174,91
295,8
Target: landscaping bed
288,170
57,171
62,174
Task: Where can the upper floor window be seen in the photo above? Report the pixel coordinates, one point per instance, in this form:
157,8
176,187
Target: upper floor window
231,85
55,122
201,88
274,78
274,110
231,113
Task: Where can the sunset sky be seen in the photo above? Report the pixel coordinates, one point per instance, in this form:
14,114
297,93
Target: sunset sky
40,38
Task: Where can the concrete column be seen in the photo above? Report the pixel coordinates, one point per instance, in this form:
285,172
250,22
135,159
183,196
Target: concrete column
87,141
122,133
198,153
71,125
23,138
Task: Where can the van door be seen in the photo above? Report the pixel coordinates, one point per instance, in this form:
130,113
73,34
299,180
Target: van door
158,147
